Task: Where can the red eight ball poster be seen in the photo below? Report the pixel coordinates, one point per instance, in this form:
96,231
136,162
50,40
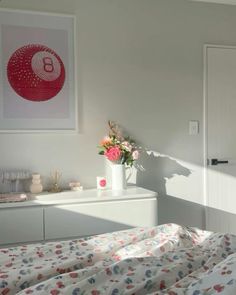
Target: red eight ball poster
37,82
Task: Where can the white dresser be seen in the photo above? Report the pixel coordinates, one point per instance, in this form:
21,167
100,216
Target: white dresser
75,214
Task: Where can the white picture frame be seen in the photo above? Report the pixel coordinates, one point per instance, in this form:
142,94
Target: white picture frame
38,89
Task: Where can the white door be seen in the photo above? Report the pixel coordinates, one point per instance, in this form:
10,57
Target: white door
220,102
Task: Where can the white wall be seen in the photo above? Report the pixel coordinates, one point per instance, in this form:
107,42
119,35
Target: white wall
140,63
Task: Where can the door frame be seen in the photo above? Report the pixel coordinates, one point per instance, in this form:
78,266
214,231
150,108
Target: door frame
205,125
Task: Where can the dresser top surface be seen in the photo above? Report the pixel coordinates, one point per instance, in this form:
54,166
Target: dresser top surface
85,196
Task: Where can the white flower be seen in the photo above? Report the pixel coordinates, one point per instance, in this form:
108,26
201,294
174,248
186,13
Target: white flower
127,146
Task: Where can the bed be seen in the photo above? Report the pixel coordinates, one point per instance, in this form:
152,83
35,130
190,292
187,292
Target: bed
167,259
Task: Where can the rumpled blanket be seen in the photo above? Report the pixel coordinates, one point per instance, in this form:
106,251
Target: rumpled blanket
167,259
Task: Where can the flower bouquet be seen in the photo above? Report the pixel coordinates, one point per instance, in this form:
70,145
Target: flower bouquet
117,148
121,151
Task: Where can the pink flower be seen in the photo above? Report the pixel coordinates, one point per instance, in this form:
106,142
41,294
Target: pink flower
135,155
113,153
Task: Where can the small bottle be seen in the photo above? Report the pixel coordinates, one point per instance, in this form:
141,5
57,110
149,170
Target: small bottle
36,186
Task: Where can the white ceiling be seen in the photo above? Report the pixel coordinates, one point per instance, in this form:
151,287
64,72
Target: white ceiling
231,2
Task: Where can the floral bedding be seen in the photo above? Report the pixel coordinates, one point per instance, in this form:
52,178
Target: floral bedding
167,259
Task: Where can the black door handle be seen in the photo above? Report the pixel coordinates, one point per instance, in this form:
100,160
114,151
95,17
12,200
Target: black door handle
215,162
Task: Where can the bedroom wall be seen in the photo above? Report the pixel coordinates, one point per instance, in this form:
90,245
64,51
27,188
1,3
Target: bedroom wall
140,63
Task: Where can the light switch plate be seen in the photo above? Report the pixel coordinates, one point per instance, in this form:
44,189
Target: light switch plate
193,127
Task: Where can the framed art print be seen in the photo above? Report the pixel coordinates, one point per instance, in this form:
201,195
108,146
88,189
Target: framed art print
37,72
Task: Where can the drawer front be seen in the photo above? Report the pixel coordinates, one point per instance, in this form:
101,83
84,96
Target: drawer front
90,219
21,225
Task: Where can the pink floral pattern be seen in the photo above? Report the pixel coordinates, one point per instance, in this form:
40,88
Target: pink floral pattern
103,182
168,259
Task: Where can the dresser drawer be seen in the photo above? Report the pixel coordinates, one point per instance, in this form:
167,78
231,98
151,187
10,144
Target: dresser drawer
21,225
95,218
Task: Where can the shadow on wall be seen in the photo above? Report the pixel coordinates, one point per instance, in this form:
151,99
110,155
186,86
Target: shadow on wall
154,175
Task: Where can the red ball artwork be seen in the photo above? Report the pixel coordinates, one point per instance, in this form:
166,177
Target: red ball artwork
36,72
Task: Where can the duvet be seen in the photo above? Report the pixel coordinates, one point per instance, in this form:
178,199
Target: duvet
167,259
